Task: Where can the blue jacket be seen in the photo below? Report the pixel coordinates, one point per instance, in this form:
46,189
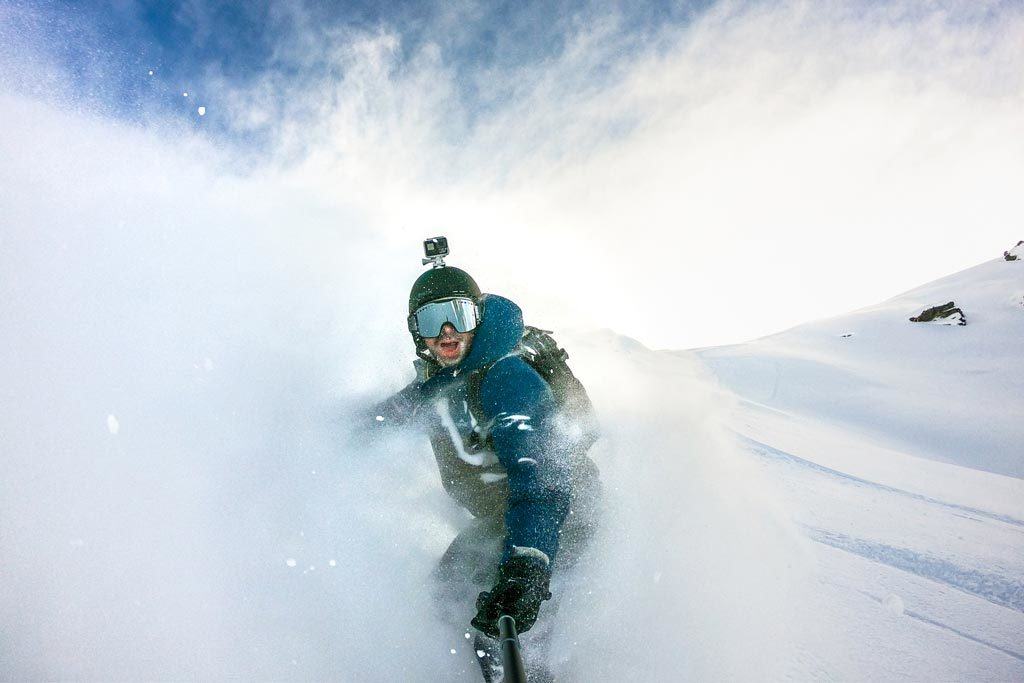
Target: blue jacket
509,457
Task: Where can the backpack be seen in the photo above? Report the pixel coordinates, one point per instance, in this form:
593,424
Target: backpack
542,353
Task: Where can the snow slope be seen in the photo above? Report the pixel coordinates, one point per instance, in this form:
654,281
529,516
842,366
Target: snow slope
943,393
900,448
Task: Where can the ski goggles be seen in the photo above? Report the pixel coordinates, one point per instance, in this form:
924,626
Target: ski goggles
428,320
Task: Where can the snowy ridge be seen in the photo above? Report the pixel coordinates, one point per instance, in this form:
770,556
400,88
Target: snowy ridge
898,448
944,393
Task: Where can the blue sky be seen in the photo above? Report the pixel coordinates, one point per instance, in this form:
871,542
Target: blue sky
112,46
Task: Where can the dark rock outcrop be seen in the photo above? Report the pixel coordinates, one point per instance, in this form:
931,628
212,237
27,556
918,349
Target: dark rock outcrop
947,313
1009,256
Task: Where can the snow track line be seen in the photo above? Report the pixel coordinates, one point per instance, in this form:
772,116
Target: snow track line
968,636
947,627
763,449
994,588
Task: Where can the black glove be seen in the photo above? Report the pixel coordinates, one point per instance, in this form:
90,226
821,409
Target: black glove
522,585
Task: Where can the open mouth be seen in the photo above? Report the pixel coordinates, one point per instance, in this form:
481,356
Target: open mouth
449,347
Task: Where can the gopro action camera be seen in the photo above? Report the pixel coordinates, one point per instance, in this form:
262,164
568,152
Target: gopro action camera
435,249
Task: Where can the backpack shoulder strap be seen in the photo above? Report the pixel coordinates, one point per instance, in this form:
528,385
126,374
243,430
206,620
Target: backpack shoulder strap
473,382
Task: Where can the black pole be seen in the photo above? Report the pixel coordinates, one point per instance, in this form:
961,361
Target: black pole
511,657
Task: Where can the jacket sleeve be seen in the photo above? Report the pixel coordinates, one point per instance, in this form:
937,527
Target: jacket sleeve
398,409
520,408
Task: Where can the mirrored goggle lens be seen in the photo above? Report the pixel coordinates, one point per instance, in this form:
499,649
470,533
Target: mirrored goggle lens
431,318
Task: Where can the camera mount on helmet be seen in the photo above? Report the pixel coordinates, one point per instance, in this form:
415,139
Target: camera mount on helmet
435,249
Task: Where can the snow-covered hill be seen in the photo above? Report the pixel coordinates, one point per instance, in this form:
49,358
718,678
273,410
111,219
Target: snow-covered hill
947,393
900,450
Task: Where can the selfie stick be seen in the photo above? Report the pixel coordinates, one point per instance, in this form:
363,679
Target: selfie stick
511,658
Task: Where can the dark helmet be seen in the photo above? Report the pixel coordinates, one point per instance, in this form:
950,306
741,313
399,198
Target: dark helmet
442,283
439,283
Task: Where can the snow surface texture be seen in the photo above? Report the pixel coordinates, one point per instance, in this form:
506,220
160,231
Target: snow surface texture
901,447
945,393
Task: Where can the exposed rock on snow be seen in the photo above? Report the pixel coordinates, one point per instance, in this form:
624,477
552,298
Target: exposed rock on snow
946,314
908,480
1014,254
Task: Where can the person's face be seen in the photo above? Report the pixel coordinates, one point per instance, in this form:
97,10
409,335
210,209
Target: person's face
450,347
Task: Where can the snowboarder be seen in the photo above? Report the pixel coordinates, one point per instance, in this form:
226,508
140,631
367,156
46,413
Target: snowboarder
511,446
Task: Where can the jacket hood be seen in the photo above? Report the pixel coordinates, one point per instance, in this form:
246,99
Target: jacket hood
497,335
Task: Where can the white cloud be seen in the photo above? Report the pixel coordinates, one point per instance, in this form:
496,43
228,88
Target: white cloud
757,168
